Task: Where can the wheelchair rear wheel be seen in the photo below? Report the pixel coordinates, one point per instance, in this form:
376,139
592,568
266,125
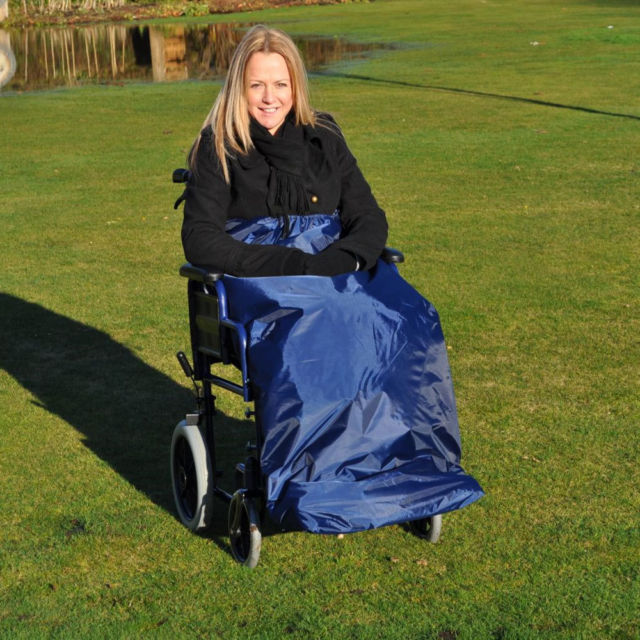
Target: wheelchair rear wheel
191,477
427,528
244,529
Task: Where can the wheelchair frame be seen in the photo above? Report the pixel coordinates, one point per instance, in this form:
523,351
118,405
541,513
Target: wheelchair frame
194,470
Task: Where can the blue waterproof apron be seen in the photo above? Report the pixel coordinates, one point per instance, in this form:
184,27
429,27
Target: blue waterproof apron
353,391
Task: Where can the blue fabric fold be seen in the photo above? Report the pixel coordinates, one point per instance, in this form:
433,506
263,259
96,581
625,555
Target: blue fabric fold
309,233
353,392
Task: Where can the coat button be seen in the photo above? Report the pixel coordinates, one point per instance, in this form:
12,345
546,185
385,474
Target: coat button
314,199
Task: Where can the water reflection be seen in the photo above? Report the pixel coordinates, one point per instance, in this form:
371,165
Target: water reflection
48,58
7,59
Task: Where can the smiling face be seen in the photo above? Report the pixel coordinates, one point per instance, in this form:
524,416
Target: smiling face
269,90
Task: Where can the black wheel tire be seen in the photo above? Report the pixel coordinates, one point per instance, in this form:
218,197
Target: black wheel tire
191,477
427,528
244,530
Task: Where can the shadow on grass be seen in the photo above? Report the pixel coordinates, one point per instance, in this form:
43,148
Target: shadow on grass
125,409
479,94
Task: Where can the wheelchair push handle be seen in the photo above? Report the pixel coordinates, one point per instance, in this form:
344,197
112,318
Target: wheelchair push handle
181,175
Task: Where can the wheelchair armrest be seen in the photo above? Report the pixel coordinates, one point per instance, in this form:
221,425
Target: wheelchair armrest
392,256
199,274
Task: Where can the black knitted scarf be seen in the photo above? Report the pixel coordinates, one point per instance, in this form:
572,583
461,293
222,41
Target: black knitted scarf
286,156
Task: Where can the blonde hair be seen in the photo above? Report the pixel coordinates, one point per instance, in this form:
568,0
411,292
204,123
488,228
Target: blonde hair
229,116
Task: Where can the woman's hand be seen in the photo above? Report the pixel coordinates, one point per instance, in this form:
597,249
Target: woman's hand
331,262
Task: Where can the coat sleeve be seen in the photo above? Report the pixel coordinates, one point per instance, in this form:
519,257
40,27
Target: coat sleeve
204,239
364,223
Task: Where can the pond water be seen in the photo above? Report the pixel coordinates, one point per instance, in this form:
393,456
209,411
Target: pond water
37,59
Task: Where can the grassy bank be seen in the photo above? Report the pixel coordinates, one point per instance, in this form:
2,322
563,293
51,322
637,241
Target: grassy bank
508,173
24,13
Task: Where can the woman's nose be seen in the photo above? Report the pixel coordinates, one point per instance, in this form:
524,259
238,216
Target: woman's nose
267,96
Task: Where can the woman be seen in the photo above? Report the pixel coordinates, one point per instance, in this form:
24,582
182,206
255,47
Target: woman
350,375
264,153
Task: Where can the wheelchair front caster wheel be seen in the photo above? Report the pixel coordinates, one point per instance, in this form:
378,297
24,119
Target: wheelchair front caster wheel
427,528
244,530
191,477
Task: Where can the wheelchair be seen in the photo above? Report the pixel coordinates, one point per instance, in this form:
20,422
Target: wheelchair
217,338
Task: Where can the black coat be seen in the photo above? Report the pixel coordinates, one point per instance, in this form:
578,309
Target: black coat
332,180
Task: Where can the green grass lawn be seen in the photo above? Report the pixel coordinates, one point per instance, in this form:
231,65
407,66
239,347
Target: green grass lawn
509,172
